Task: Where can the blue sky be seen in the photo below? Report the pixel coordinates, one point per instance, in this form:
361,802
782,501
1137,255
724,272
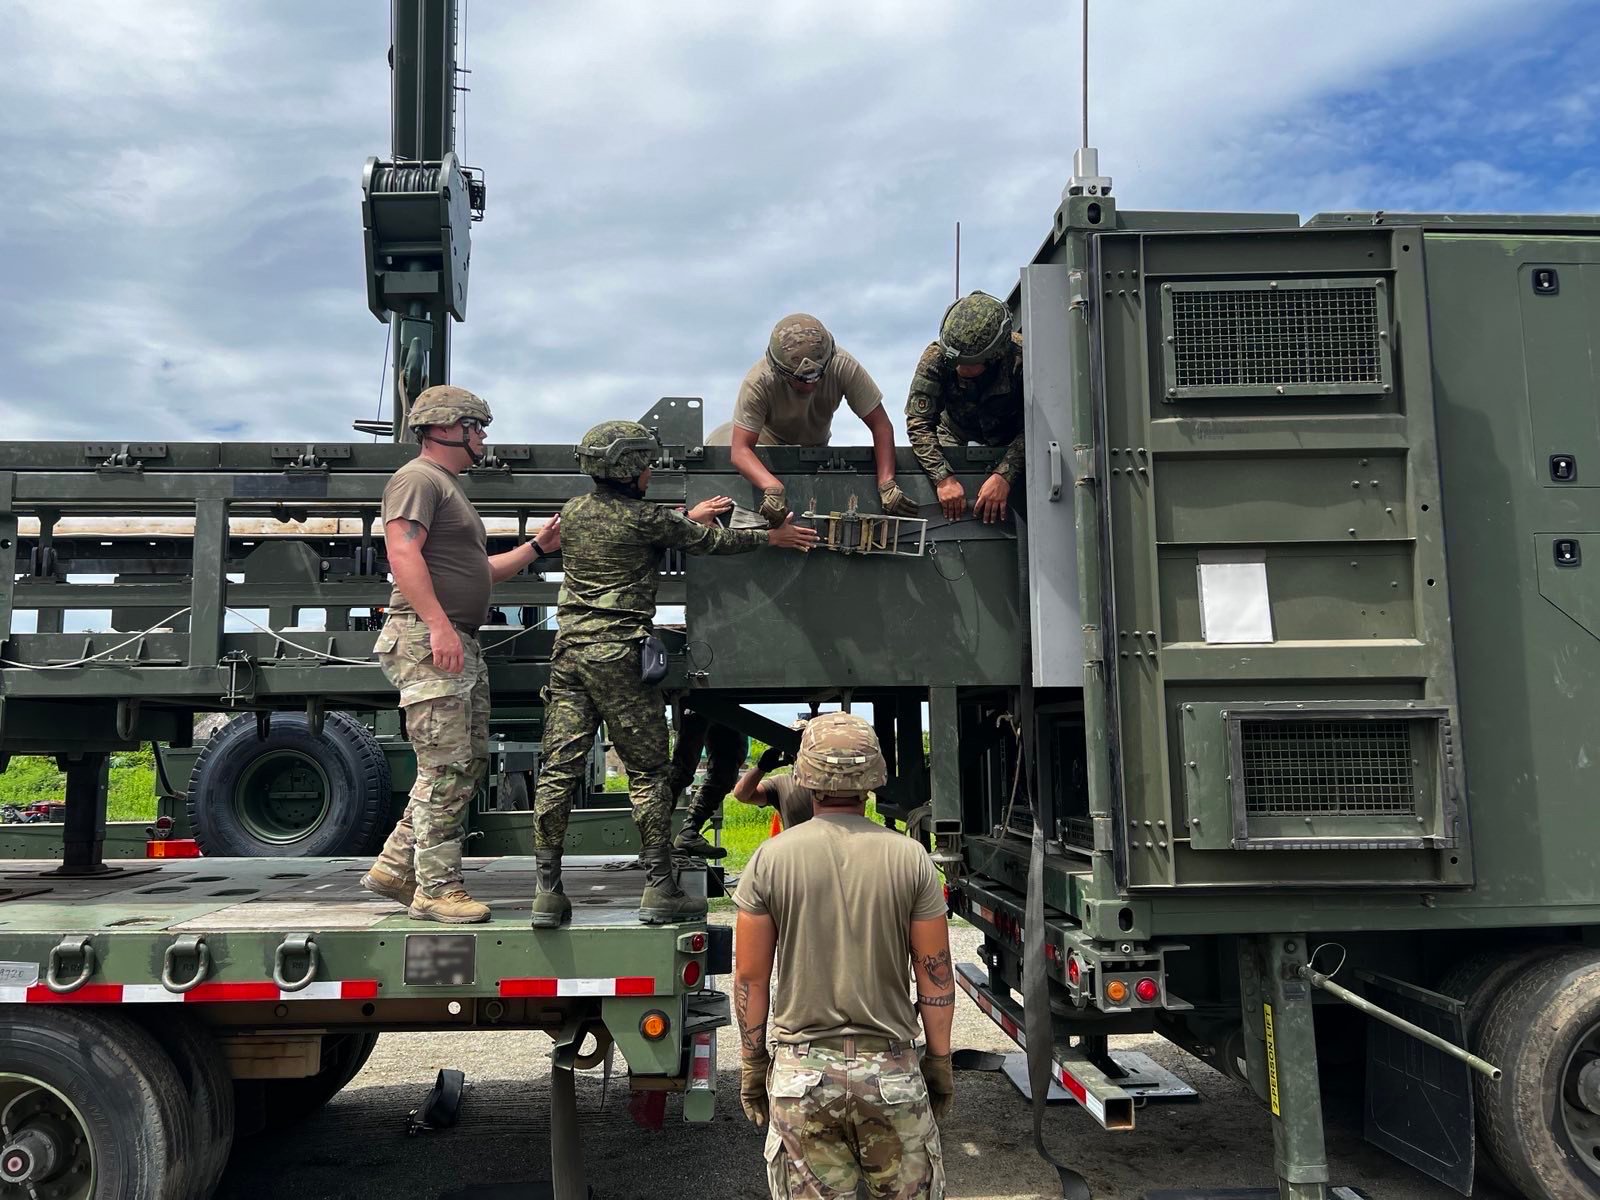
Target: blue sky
181,231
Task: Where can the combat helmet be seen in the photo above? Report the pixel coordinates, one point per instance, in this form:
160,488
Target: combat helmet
445,404
975,329
800,348
839,753
617,450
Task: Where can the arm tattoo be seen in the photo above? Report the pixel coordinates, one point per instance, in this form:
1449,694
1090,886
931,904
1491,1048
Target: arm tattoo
752,1039
936,1001
938,968
414,530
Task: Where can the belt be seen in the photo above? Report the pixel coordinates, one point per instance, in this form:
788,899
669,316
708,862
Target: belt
460,627
853,1044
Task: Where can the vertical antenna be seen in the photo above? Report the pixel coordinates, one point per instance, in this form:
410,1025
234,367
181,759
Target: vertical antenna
1086,178
958,260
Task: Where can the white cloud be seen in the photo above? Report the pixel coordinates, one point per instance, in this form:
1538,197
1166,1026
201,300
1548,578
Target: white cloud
182,231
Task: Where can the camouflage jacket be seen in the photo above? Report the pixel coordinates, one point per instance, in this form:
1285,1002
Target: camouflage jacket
945,409
611,550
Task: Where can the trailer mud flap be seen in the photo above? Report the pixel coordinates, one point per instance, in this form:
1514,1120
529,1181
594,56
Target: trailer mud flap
1419,1103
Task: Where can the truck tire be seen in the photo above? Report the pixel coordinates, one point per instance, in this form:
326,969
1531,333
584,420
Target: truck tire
101,1079
1477,979
203,1070
1541,1121
294,795
512,793
273,1105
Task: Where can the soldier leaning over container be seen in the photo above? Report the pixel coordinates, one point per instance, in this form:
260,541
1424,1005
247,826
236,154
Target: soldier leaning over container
968,388
841,903
612,544
429,649
788,399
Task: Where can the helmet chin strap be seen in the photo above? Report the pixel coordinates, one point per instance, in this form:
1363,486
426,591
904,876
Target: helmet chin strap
477,456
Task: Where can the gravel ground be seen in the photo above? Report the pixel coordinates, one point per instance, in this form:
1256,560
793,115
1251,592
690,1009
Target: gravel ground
356,1147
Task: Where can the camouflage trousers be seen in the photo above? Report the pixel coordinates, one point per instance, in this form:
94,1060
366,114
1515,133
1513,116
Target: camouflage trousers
588,685
839,1116
447,720
725,750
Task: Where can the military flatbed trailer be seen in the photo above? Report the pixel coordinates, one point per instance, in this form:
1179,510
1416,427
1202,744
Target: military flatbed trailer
145,1012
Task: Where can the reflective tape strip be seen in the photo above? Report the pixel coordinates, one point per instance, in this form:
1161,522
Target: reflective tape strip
627,985
206,993
983,911
700,1061
1062,1076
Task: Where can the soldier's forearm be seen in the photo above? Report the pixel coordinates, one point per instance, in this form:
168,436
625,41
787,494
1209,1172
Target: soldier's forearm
748,463
1011,466
750,1000
503,566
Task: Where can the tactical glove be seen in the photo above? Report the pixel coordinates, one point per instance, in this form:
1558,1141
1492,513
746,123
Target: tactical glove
941,1080
772,758
774,507
895,502
753,1087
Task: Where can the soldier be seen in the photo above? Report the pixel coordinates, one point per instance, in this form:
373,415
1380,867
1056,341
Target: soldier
788,399
613,540
842,903
968,388
725,750
781,792
428,649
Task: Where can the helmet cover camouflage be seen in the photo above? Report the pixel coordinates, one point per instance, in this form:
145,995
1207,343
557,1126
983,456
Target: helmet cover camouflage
445,404
617,450
839,754
800,348
975,329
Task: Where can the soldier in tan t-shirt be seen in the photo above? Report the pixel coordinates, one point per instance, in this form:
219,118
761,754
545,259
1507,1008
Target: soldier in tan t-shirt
850,912
428,648
788,399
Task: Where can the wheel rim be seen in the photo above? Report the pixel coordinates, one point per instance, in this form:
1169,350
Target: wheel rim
283,797
45,1151
1580,1099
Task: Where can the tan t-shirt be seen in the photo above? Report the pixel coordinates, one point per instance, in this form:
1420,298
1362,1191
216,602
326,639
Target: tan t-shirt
792,801
843,892
781,416
457,550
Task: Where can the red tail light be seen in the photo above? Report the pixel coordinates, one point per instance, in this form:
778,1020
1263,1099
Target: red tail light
1074,972
1146,990
691,974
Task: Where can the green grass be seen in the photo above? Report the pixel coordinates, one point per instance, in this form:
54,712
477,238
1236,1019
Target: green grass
31,779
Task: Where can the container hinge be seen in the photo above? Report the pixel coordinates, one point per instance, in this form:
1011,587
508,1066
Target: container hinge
1083,465
1092,650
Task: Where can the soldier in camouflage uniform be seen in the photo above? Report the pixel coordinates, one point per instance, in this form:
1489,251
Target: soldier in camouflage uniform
428,648
968,388
612,543
725,750
841,904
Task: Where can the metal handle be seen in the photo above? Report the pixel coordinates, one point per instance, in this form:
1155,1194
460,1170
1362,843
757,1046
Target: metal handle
67,948
188,944
1319,980
295,943
1055,470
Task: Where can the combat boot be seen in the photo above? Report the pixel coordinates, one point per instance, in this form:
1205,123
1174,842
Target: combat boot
455,907
664,901
551,908
690,840
380,881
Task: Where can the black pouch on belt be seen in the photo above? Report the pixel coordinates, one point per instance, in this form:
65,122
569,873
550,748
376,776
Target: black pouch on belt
652,660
